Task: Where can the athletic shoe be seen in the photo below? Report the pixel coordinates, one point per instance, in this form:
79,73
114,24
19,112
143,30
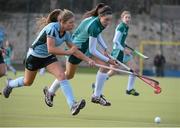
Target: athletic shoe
48,97
132,92
100,100
77,106
7,90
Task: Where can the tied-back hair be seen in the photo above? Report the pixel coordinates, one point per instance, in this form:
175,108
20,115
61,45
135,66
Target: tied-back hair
106,10
66,15
52,17
55,16
93,12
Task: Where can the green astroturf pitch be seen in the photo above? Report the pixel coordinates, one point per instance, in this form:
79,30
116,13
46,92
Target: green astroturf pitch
26,107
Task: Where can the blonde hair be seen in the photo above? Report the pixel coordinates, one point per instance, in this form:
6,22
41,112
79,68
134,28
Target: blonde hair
66,15
125,13
54,16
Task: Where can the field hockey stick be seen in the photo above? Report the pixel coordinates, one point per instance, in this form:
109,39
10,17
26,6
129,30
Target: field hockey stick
153,83
137,52
129,69
149,81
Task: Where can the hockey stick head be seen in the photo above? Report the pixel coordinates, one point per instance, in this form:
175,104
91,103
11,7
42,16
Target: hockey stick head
153,83
157,89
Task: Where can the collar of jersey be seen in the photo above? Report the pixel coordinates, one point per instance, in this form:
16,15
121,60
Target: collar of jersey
59,29
125,24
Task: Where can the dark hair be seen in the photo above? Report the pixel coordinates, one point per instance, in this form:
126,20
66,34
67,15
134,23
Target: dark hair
106,10
94,12
52,17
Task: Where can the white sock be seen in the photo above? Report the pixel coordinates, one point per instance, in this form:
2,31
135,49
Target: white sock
54,87
67,91
42,71
100,80
131,82
19,82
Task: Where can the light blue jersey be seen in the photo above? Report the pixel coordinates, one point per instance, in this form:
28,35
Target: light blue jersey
39,46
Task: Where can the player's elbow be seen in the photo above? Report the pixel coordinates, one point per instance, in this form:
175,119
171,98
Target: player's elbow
69,75
28,82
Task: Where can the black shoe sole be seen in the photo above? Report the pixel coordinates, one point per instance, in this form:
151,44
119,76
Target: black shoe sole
96,102
3,91
132,94
44,91
4,94
81,105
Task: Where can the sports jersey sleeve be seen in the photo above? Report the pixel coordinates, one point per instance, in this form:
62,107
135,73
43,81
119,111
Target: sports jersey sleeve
92,30
117,40
101,42
118,37
51,32
94,51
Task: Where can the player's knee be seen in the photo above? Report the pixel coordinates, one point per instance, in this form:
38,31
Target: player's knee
69,76
2,74
28,83
61,76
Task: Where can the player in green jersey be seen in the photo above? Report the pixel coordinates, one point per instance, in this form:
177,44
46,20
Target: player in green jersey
123,54
86,37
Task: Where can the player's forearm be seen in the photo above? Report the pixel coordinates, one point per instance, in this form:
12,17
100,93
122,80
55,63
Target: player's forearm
94,51
101,42
58,51
81,56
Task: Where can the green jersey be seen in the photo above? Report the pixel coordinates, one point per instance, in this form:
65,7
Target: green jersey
121,33
120,36
88,27
8,54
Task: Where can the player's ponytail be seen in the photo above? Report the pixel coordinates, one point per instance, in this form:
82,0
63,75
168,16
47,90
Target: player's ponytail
94,12
106,10
52,17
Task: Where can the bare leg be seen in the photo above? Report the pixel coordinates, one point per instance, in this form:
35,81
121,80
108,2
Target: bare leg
2,69
56,69
27,80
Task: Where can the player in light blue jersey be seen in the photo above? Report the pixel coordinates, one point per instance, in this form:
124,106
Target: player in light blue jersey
86,37
122,53
43,54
